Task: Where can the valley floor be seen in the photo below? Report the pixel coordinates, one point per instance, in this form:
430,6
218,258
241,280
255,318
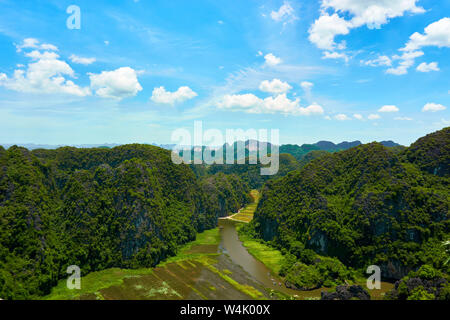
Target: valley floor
202,269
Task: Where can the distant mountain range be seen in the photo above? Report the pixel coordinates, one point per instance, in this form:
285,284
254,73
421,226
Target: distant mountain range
327,145
321,145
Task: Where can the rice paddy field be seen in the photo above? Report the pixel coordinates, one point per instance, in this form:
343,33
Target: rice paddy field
246,214
198,272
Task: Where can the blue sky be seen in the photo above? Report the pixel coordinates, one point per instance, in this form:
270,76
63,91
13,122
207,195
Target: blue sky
137,70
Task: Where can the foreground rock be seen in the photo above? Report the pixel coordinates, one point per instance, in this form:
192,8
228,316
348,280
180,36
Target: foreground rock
346,293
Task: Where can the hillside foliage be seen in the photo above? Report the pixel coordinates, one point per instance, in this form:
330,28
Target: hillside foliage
366,205
129,207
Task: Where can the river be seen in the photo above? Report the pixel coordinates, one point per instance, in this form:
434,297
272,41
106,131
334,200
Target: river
233,247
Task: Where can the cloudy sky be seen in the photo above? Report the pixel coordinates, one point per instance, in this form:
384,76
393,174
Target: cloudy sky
136,71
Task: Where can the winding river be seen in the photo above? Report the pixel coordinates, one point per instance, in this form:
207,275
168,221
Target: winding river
233,247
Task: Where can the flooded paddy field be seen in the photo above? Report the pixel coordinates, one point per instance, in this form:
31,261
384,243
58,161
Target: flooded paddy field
202,270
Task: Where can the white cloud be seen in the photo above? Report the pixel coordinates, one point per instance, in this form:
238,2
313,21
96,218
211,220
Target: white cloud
372,13
388,108
160,95
274,86
341,117
312,109
373,116
335,55
279,104
37,55
436,34
427,67
285,14
324,29
358,116
433,107
403,118
380,61
307,86
44,75
31,43
239,101
80,60
272,60
350,14
117,84
407,60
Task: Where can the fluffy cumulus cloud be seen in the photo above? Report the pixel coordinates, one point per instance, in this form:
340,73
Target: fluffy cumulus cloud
285,14
436,34
162,96
274,86
358,116
45,74
372,13
326,28
81,60
373,116
388,108
117,84
272,60
349,14
433,107
280,104
427,67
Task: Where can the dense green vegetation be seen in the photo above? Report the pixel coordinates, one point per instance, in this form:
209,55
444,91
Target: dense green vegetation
426,283
251,173
327,214
366,205
99,208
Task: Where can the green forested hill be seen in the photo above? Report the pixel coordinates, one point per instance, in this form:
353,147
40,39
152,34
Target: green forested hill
432,153
366,205
129,206
251,173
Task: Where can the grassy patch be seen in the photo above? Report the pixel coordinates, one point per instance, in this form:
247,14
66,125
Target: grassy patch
271,257
93,282
165,289
227,272
246,214
205,239
248,290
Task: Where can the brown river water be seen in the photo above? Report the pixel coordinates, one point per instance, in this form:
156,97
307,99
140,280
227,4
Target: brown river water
233,247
